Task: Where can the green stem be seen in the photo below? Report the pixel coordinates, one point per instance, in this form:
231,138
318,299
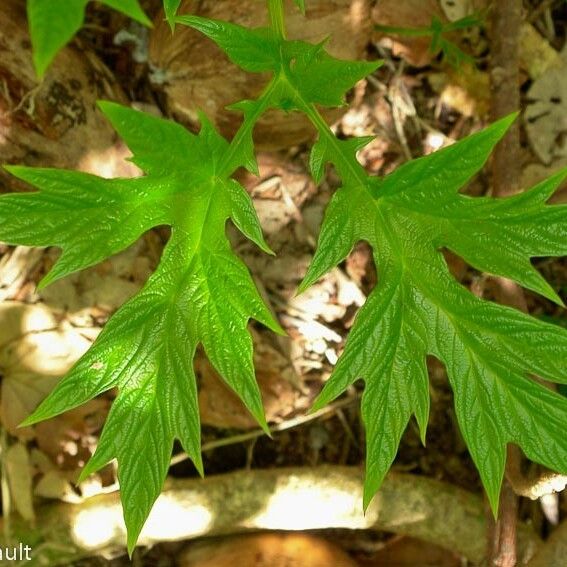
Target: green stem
277,20
355,169
226,166
277,17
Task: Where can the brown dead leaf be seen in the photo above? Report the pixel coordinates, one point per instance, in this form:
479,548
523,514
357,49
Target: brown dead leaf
536,172
409,552
466,90
18,470
191,72
105,286
279,192
536,54
15,268
20,318
54,122
35,351
21,394
53,485
68,439
546,114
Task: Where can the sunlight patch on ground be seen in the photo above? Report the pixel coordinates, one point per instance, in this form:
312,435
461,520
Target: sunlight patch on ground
172,520
296,506
98,526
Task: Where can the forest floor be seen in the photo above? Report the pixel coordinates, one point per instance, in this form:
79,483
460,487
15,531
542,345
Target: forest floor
414,104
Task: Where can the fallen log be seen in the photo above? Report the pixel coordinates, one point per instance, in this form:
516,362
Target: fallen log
277,499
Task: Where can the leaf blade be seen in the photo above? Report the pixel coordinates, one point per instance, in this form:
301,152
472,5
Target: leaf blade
200,294
53,24
488,350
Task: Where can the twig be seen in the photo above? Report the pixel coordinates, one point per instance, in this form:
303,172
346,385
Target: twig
244,437
402,107
505,93
506,22
284,426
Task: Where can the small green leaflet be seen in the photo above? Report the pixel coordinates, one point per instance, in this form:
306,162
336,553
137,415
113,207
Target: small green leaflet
438,31
301,5
417,308
53,23
171,7
201,292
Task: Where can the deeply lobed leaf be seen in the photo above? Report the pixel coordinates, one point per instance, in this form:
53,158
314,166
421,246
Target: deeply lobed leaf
201,292
418,309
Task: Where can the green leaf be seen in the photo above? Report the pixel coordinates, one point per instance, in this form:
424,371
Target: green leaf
254,50
418,309
171,7
303,73
201,293
53,23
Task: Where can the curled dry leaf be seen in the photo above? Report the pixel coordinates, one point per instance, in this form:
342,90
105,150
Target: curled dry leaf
195,75
35,351
55,122
18,470
546,114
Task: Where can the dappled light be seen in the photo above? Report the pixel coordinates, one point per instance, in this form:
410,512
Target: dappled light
283,282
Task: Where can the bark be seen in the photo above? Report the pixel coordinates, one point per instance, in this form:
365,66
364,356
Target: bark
506,23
